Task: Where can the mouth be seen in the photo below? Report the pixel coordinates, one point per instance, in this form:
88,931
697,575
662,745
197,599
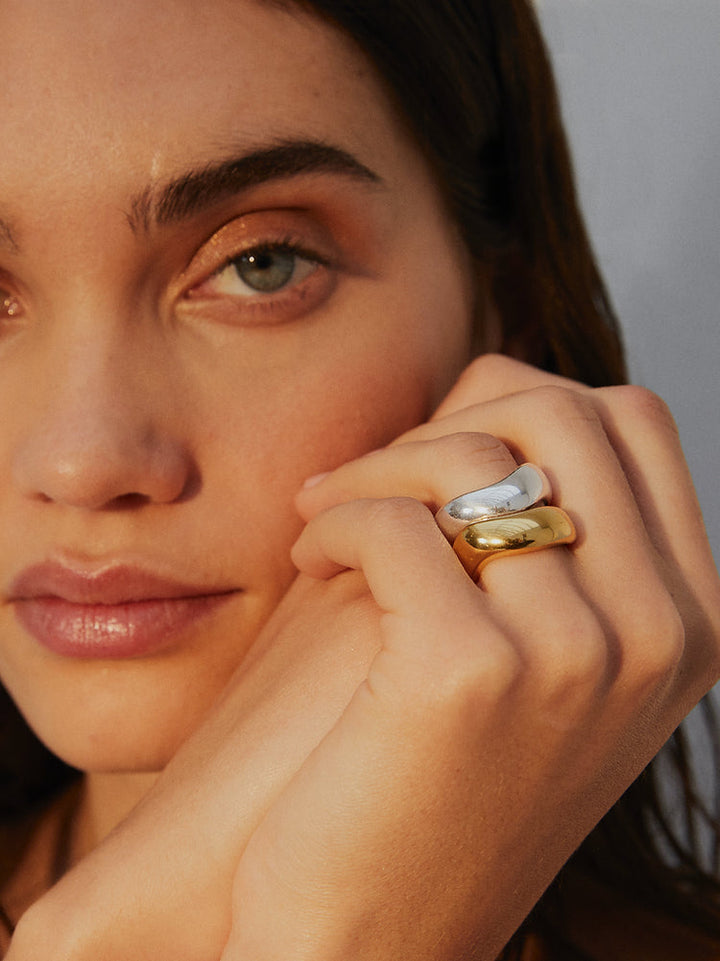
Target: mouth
119,611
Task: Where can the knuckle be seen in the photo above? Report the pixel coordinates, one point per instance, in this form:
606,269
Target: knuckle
579,661
563,405
586,658
669,645
494,672
710,671
455,450
496,368
391,513
637,403
709,628
658,641
480,364
470,684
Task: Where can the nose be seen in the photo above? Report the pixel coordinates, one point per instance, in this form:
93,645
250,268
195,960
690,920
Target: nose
100,433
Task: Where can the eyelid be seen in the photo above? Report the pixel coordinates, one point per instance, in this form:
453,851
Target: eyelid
287,246
293,227
294,230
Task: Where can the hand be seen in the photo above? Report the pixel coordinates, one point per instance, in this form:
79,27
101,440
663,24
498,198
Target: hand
495,726
159,887
518,721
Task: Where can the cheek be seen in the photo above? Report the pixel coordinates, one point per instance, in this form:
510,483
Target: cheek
265,445
286,404
326,408
264,449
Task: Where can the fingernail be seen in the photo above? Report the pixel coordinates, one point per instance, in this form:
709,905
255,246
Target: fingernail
315,480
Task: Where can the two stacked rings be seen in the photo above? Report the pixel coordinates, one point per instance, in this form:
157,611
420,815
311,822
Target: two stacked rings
508,517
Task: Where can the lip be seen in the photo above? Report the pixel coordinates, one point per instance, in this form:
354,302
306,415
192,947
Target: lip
117,611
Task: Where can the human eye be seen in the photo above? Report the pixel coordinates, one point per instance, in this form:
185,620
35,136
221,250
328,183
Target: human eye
267,268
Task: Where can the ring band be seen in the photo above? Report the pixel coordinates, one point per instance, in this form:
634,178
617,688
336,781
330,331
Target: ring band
520,490
521,533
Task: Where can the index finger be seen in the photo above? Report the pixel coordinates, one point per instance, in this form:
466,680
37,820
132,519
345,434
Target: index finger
492,376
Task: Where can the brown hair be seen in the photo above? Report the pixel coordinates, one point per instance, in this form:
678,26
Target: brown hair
473,80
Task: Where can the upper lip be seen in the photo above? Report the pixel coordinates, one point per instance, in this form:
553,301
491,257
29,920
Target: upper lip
111,584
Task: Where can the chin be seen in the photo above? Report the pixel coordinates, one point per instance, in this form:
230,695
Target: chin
112,750
118,716
128,729
126,759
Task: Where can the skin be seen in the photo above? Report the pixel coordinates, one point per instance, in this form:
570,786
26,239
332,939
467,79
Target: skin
153,416
379,701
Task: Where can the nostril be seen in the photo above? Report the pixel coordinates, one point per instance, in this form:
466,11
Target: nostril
101,475
102,435
127,502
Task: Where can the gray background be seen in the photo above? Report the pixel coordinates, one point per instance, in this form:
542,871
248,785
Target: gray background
640,88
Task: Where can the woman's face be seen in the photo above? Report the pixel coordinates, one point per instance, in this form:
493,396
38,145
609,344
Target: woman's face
223,268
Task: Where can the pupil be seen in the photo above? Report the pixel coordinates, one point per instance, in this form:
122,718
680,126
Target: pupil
266,270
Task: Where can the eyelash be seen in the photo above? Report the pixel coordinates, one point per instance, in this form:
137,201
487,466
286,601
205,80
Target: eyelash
296,295
308,284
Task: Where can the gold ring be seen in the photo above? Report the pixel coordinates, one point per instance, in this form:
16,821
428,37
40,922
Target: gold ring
521,533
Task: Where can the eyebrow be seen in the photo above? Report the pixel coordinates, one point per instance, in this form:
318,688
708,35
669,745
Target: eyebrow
198,189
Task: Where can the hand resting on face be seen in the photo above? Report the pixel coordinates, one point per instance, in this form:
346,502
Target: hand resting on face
406,759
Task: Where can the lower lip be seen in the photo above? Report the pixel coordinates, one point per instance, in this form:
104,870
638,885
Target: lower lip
133,629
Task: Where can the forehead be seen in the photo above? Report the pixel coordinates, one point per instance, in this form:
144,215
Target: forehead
94,88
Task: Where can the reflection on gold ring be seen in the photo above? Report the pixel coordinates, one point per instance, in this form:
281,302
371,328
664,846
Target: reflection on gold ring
521,533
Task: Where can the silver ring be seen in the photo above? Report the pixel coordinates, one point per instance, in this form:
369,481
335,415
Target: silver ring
524,488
